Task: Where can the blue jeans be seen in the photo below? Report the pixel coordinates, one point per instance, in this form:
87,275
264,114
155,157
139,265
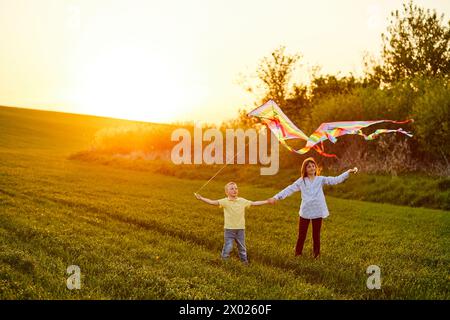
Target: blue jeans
231,235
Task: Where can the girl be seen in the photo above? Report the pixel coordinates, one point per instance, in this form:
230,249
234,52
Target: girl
313,206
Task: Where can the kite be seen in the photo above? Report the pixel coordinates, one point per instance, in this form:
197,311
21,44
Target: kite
282,127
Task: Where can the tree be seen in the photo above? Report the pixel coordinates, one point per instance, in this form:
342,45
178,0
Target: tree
298,106
274,73
273,79
330,85
417,43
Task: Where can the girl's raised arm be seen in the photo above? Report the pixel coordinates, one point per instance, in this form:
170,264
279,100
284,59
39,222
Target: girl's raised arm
338,179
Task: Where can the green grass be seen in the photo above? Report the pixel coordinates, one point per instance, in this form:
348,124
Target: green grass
142,235
414,190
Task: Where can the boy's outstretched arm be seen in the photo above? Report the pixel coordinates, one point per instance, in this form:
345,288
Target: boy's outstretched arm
208,201
260,203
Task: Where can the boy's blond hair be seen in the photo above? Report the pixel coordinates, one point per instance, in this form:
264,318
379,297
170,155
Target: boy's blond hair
229,184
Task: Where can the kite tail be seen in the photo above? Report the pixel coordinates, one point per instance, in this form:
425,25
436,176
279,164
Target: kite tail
301,151
375,134
304,150
321,151
400,122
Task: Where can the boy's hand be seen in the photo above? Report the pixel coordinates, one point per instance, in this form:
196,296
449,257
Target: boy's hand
199,197
271,200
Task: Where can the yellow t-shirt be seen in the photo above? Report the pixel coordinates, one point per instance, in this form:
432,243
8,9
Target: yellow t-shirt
234,212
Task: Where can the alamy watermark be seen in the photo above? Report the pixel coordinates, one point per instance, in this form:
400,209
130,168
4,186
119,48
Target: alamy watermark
374,280
222,149
74,280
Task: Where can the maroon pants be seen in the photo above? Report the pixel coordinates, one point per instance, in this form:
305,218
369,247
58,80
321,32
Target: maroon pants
303,230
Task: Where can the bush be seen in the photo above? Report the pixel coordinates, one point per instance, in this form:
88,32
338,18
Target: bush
144,138
337,108
432,114
426,100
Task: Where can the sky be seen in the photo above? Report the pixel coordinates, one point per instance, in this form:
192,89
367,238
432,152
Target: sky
169,61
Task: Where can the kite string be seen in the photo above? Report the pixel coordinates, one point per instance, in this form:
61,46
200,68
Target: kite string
226,163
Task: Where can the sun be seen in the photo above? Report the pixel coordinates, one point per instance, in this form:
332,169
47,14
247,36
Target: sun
129,84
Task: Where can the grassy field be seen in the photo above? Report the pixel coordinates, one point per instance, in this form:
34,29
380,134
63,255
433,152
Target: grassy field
142,235
414,190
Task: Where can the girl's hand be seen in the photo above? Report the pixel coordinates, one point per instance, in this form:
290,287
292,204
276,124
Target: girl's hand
354,170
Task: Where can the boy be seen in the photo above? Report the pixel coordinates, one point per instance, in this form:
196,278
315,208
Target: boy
234,219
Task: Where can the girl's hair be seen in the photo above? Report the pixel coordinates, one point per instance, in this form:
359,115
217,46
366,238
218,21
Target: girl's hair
305,163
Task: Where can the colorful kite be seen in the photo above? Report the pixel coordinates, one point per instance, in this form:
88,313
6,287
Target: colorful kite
283,128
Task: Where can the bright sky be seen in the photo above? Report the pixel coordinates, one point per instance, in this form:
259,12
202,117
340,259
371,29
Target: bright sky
167,60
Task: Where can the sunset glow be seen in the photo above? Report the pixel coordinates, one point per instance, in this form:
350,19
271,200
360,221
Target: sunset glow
167,61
